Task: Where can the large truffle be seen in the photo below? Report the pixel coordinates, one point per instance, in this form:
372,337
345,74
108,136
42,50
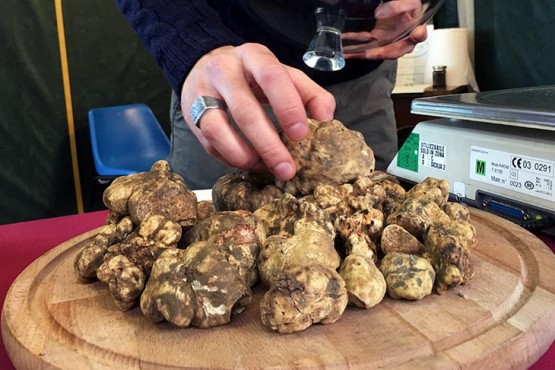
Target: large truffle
416,215
304,296
407,276
343,200
92,255
436,190
239,233
127,265
197,286
368,221
330,154
306,247
449,255
298,263
157,192
364,281
287,215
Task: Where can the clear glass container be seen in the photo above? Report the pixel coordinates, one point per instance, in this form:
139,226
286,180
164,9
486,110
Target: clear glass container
352,27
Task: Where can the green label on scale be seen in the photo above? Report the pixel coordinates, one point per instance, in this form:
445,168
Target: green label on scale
407,157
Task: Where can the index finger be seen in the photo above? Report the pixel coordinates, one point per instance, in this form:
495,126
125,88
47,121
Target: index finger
275,81
319,103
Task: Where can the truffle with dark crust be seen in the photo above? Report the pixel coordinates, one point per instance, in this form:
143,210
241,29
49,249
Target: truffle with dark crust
244,191
407,276
395,238
417,215
450,257
205,209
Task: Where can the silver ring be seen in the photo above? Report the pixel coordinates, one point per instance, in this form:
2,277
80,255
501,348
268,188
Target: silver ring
202,104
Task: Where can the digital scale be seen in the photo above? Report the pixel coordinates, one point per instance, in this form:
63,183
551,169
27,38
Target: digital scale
496,149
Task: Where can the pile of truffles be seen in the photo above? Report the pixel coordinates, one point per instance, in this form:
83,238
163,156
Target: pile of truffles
337,234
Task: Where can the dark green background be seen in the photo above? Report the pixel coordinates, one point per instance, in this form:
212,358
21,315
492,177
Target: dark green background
107,66
515,43
515,47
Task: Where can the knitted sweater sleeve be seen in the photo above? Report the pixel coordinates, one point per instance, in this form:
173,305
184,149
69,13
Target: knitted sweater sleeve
177,33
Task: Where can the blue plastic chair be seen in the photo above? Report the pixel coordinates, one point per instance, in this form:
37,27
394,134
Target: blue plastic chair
126,139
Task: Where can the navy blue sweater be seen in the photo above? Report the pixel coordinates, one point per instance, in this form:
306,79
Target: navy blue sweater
178,32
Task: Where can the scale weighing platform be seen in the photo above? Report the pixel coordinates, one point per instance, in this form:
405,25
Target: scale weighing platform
496,149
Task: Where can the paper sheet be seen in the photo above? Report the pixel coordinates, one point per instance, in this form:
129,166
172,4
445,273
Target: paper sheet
410,68
448,47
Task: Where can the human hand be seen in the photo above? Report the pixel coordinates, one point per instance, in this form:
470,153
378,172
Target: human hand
245,77
393,19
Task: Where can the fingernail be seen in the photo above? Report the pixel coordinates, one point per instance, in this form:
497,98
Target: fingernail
297,131
283,171
383,12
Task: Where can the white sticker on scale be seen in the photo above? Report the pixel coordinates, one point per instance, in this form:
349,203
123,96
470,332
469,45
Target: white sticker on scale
459,189
433,155
523,174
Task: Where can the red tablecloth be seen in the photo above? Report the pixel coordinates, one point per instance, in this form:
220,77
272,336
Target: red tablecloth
22,243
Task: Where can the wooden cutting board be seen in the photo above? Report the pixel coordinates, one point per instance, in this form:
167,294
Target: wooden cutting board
503,318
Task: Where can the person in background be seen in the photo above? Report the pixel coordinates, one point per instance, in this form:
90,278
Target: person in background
247,54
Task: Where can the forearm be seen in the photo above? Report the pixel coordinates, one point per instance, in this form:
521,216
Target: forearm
177,33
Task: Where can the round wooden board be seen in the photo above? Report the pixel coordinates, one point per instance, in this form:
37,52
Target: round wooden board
503,318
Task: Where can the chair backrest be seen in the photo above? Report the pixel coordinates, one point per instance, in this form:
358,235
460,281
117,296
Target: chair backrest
126,139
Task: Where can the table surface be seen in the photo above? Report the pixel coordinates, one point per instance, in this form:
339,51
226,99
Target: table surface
22,243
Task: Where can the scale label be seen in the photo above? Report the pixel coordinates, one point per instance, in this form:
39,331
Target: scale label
433,155
523,174
407,157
